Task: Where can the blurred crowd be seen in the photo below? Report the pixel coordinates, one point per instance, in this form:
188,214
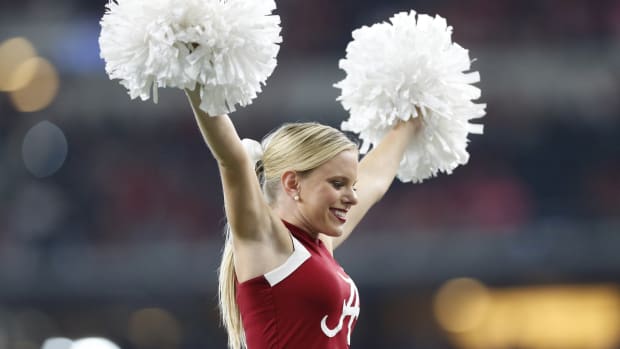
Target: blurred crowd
313,27
126,182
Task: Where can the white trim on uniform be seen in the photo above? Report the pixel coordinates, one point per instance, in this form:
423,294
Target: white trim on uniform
299,256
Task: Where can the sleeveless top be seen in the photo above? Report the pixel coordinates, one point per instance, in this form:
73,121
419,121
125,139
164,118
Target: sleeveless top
308,302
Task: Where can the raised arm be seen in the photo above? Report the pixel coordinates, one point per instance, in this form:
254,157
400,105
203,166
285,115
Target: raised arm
377,171
247,212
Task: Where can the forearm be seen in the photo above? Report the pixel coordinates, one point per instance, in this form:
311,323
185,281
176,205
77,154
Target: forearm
377,171
378,168
219,134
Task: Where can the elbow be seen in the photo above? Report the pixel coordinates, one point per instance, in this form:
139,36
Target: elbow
235,164
233,158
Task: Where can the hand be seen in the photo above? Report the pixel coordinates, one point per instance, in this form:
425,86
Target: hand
194,100
193,95
414,124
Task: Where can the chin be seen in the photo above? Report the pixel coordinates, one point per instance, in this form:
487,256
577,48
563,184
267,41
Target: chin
334,231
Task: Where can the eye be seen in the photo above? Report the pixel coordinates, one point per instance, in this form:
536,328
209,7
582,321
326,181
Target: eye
337,184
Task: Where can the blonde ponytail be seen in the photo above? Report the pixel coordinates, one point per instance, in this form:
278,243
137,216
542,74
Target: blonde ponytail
227,292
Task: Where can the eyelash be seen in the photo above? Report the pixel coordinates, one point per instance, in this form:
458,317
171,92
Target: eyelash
338,185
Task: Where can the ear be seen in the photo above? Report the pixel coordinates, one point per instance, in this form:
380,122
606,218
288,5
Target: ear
290,183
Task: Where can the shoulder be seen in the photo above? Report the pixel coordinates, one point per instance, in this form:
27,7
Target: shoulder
266,250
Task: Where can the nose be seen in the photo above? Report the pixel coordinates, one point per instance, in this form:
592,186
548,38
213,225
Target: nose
351,197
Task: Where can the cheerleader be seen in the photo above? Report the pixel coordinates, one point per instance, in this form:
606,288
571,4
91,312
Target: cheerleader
295,197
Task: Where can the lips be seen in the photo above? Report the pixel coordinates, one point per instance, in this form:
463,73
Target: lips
339,214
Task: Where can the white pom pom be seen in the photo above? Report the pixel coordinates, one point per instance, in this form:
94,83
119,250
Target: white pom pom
228,47
392,68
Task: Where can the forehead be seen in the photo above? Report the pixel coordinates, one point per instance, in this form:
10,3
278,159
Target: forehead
344,164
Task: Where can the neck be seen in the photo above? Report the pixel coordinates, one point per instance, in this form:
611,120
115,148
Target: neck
291,214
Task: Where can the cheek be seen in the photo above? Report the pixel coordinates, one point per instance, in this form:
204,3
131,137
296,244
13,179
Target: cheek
329,196
324,197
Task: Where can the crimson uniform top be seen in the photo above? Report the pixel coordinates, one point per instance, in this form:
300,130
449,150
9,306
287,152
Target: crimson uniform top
308,302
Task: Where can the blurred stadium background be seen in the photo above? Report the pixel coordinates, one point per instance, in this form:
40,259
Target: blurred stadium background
111,213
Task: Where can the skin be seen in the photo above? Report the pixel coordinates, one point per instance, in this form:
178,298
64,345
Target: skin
325,195
261,242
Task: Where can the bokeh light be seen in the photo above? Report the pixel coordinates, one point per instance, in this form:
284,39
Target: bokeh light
40,82
24,73
544,317
94,343
461,304
154,328
44,149
13,53
57,343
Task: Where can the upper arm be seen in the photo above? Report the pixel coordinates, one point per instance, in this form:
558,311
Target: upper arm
246,209
248,214
261,242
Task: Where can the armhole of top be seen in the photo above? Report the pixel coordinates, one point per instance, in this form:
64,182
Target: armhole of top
294,261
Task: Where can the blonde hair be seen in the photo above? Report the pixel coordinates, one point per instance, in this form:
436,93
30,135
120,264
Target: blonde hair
300,147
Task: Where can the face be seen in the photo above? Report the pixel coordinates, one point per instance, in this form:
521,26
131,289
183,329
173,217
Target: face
327,193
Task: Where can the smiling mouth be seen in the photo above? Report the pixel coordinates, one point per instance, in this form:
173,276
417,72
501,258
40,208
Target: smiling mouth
339,214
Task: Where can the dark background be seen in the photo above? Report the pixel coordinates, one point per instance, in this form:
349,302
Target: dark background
119,236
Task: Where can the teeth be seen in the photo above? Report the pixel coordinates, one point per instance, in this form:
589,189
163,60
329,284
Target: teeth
339,214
